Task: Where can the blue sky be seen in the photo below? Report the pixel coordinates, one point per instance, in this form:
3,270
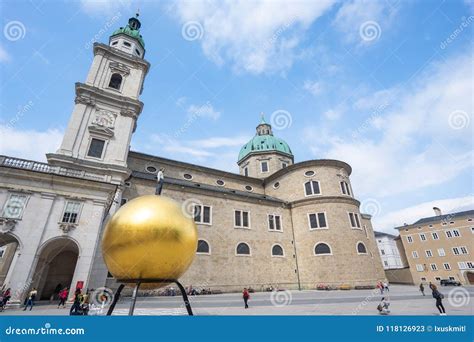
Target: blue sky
386,86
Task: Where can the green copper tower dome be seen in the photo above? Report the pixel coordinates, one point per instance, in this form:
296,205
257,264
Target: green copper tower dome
264,141
132,30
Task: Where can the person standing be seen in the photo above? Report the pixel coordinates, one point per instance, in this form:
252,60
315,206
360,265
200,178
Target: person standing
422,289
439,300
385,286
246,296
76,305
62,297
31,299
159,179
6,295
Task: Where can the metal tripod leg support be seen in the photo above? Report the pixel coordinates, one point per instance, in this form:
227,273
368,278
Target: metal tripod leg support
116,298
134,299
185,298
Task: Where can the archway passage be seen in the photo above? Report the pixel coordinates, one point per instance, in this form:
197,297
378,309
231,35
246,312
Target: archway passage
470,277
8,248
56,266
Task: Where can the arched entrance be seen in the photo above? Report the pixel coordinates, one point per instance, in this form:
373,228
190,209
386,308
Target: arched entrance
9,247
55,267
470,277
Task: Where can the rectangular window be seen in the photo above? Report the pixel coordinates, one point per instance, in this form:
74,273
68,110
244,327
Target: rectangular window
241,219
455,251
415,254
274,222
462,265
354,219
382,252
456,233
470,265
96,148
385,262
441,252
246,171
71,212
422,237
437,278
15,206
434,267
428,253
202,214
447,266
317,220
283,165
419,267
2,251
449,234
264,166
409,239
452,278
345,188
463,250
435,236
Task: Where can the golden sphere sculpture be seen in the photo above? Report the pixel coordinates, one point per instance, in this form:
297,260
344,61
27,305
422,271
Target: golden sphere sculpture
149,238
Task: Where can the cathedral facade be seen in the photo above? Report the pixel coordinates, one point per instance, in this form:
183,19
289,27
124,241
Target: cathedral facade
277,223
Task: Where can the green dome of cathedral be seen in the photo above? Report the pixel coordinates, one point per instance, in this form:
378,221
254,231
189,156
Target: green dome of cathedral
264,141
132,30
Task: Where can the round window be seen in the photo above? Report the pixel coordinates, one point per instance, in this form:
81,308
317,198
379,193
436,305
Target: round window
220,182
248,188
187,176
151,169
276,185
309,173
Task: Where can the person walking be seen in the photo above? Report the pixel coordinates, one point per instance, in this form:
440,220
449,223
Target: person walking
62,297
246,296
385,286
439,300
422,289
76,305
31,299
380,286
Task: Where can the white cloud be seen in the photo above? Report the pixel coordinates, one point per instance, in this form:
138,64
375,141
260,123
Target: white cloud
254,36
313,87
332,114
353,14
407,144
205,110
412,214
105,7
4,56
29,144
217,152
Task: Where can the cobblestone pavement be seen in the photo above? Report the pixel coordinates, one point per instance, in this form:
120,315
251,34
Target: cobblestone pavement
405,300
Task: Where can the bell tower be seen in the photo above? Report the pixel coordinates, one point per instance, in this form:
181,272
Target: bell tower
107,107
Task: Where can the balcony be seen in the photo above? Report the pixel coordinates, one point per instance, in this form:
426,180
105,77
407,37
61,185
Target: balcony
23,164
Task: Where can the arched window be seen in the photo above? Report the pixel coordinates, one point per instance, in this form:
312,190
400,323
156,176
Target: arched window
322,248
312,188
203,247
361,248
115,81
277,250
242,249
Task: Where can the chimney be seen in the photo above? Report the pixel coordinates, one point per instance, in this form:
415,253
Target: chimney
437,211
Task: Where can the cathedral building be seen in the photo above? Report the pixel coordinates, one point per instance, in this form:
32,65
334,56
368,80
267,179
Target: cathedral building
280,223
